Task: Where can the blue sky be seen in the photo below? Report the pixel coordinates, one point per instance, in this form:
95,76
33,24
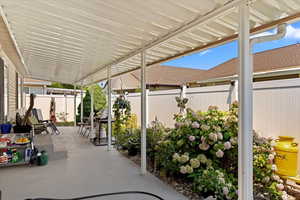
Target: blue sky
215,56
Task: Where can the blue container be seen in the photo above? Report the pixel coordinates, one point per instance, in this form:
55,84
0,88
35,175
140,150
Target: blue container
5,128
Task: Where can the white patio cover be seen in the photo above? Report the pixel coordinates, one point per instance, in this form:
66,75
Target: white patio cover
74,41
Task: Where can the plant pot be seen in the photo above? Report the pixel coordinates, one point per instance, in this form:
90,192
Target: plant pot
132,152
5,128
22,129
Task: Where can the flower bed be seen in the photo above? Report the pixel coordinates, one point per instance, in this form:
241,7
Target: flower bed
202,150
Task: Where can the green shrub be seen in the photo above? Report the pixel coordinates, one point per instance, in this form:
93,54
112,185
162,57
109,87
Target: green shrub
203,150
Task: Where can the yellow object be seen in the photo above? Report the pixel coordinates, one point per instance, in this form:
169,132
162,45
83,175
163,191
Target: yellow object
132,122
295,179
286,156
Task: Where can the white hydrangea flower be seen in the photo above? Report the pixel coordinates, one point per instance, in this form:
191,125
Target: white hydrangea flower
221,180
205,127
195,125
219,153
183,170
189,169
280,186
217,128
220,136
178,124
202,158
195,163
285,196
233,141
225,191
192,138
227,145
203,146
184,158
176,157
275,177
213,137
271,157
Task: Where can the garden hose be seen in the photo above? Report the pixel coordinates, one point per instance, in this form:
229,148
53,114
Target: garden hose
103,195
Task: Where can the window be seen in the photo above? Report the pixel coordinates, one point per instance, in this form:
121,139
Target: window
33,90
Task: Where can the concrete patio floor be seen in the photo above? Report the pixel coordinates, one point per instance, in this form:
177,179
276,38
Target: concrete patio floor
88,170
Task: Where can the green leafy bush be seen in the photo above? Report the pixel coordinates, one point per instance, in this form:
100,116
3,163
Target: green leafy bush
203,150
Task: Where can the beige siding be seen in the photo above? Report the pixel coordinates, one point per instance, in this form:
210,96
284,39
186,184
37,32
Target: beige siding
11,91
11,87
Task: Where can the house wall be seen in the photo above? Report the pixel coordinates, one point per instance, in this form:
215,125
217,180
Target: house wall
10,89
276,107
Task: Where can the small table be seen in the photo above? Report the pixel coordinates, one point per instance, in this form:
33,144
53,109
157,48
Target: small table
98,140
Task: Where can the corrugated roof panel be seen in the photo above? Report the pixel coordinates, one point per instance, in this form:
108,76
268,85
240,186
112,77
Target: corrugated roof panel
83,38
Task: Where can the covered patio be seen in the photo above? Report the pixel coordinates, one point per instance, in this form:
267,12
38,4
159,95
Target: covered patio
88,170
83,43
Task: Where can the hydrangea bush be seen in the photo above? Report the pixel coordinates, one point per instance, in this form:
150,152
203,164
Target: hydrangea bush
202,148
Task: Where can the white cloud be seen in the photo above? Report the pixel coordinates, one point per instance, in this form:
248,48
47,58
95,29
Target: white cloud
204,52
292,32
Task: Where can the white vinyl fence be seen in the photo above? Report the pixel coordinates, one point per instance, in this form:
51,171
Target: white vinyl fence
64,104
276,105
162,104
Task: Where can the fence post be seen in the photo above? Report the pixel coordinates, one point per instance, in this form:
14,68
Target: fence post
81,105
233,92
236,91
183,92
147,108
75,98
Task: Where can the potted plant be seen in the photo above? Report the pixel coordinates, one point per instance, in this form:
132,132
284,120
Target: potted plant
22,124
134,141
5,128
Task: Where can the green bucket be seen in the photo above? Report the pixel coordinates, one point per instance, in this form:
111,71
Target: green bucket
42,158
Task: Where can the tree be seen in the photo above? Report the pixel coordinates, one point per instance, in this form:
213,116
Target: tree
99,97
61,85
99,101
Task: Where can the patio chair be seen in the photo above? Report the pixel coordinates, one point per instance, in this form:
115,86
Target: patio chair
48,123
38,127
